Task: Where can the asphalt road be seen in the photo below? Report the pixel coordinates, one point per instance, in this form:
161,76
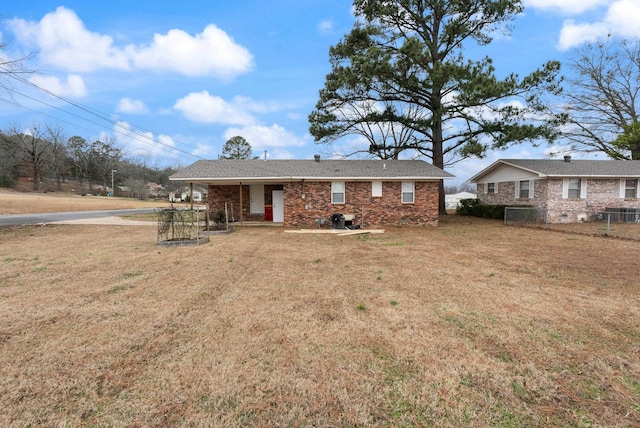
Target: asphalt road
21,219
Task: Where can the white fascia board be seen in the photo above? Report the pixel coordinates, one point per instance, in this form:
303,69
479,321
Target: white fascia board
408,178
288,179
607,176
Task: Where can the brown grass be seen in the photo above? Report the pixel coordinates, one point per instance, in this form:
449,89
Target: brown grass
12,202
471,323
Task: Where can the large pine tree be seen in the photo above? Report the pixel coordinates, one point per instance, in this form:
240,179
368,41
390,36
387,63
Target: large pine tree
401,79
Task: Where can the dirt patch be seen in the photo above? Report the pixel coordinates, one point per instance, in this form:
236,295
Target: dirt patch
470,323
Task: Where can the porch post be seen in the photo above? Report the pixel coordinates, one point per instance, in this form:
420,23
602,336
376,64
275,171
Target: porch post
191,195
241,214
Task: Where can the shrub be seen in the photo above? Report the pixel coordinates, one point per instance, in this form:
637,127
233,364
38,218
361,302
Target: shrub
7,181
473,207
467,206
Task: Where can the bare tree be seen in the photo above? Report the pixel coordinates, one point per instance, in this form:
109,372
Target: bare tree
58,150
11,67
31,149
602,101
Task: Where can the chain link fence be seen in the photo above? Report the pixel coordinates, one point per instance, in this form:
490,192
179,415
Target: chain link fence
621,223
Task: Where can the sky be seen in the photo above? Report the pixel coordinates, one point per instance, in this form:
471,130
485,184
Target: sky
173,81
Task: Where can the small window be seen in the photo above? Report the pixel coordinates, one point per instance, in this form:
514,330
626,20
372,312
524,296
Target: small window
574,188
631,189
337,192
376,189
408,191
491,188
524,189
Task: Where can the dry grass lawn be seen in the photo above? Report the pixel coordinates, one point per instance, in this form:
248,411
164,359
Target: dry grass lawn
12,202
471,323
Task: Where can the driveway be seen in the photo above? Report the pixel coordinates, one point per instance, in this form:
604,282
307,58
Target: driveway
78,217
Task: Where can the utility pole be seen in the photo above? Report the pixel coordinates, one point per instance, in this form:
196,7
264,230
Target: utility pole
113,188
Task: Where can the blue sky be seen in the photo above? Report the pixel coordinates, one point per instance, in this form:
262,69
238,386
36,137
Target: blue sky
172,81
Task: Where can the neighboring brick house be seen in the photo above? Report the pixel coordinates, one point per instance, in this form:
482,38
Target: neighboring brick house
569,190
300,193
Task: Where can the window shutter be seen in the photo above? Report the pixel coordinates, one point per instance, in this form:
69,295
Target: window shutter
531,193
565,188
583,188
623,188
638,188
517,189
486,188
376,189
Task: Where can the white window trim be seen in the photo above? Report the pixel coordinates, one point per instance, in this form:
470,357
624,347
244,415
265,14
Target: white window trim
338,187
623,187
583,188
376,189
412,192
531,192
495,187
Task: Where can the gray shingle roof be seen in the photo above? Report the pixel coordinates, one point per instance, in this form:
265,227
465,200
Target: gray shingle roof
573,168
283,170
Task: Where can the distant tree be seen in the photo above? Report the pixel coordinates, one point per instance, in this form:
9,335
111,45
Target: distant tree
8,163
403,66
31,148
105,158
58,153
602,99
237,148
138,187
79,157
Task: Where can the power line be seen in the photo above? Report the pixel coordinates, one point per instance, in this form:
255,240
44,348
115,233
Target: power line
146,140
128,132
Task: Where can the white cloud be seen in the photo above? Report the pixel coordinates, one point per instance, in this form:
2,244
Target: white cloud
127,105
212,52
73,87
574,34
274,138
202,107
143,143
620,20
325,26
566,6
63,41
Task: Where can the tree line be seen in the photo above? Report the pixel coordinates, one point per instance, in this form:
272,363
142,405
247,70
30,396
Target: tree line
44,152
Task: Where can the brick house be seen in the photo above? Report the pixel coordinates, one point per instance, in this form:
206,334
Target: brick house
303,193
569,190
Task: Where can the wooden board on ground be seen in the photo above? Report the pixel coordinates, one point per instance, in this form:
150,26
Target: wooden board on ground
339,232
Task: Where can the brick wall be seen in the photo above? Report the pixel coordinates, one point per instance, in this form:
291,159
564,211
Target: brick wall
368,211
218,195
601,194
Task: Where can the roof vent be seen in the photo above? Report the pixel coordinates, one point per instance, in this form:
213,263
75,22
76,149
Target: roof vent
567,158
384,166
317,158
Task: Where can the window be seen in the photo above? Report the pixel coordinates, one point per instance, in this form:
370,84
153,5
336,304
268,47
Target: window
524,189
337,192
574,188
408,191
376,189
631,189
491,188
